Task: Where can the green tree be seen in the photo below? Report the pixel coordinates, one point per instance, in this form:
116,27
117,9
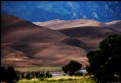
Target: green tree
105,63
9,75
3,74
48,74
71,67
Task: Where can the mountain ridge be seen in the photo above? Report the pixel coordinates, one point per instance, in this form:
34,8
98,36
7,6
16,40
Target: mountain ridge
103,11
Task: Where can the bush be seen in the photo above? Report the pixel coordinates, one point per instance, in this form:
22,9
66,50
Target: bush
48,74
34,74
78,74
71,67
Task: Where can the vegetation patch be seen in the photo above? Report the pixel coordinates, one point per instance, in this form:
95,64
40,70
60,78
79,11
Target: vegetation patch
64,79
38,68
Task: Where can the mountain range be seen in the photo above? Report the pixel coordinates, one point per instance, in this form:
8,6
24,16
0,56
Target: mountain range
41,11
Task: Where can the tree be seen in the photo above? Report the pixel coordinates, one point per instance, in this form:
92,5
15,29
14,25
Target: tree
9,75
48,74
71,67
105,63
4,74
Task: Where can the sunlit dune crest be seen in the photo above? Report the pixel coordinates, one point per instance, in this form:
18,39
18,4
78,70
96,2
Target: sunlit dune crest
62,24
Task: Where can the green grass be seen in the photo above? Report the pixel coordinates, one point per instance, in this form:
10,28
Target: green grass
34,80
38,68
64,79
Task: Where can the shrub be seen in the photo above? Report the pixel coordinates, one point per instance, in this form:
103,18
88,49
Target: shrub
71,67
78,74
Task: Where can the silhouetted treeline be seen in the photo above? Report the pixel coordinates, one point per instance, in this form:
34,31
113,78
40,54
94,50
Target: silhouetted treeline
9,75
33,74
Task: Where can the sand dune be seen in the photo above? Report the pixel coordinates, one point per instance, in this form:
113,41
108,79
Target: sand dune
62,24
52,43
115,25
26,31
26,44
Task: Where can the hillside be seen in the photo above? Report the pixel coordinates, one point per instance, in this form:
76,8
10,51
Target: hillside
90,32
26,44
52,43
115,25
15,29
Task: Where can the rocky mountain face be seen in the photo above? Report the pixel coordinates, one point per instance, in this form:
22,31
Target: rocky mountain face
52,43
38,11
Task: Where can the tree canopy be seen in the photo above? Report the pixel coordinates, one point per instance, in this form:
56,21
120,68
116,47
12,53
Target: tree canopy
9,75
105,63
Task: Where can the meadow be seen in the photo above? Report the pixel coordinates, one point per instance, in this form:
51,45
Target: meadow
63,79
38,68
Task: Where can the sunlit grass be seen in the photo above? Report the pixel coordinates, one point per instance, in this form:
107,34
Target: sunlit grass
63,79
34,80
38,68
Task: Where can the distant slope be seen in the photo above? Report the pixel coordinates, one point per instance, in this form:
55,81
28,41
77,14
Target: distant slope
90,35
76,42
115,25
89,31
86,31
21,30
8,20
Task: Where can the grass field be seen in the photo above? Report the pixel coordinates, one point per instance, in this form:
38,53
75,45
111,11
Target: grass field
64,79
38,68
